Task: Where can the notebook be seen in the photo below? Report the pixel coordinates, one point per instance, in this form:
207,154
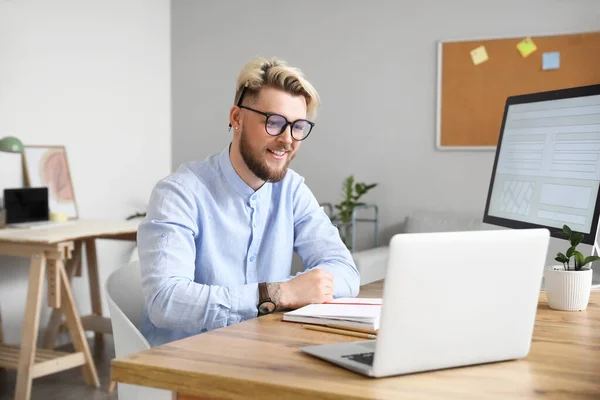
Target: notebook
343,312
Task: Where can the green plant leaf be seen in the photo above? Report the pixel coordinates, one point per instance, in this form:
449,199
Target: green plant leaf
576,238
570,251
560,257
590,259
347,186
566,232
579,259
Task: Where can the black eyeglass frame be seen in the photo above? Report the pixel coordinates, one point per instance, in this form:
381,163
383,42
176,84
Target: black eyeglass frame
285,125
283,128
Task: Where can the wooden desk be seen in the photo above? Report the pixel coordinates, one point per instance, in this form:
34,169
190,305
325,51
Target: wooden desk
260,359
57,251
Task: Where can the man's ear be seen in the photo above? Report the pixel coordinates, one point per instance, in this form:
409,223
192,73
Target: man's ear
235,118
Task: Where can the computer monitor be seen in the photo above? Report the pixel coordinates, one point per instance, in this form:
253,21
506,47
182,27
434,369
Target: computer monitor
547,167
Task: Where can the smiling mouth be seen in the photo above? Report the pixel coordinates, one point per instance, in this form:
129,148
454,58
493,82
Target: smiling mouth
277,154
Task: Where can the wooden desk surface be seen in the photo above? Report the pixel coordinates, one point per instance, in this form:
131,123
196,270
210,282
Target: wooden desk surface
73,230
260,358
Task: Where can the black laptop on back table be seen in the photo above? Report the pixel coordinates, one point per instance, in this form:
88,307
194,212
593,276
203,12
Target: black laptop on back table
26,206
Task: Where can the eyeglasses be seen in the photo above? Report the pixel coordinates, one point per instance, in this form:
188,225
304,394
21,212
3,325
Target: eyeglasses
276,124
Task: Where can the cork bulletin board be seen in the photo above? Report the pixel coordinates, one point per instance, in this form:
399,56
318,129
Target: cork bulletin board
474,81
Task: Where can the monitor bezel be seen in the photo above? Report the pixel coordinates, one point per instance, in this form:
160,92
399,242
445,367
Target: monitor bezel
581,91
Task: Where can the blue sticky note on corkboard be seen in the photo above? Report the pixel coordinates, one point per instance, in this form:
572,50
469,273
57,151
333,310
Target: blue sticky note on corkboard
551,60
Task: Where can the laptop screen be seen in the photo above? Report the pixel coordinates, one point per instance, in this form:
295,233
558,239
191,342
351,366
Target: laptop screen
26,205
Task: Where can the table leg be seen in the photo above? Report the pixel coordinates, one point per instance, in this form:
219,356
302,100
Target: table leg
30,326
76,328
94,279
56,317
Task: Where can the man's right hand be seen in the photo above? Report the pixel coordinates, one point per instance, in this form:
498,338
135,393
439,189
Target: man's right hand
312,287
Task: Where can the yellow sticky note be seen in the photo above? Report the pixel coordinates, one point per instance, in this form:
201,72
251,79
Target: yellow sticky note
479,55
526,47
59,217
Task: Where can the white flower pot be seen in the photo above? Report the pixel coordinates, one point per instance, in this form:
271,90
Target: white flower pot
568,290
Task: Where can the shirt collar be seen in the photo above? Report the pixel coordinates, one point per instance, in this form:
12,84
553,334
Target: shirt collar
234,179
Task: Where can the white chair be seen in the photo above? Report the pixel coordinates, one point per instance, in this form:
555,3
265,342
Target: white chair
125,304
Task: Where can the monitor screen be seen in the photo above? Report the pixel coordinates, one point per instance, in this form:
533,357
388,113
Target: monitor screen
26,205
547,167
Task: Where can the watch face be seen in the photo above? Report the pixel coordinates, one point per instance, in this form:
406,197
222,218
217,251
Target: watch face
266,307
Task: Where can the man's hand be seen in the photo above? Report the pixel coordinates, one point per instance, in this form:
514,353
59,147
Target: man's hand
315,286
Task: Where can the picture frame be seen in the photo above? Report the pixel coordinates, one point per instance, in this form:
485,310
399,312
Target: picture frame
48,166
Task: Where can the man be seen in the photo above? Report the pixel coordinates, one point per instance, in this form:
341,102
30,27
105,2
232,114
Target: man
217,243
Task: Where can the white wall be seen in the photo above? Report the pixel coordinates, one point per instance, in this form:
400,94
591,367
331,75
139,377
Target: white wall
93,76
374,65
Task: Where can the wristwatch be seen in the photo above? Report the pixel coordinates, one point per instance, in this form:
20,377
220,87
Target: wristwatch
265,304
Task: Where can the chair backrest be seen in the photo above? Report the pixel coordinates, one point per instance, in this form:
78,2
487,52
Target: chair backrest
125,303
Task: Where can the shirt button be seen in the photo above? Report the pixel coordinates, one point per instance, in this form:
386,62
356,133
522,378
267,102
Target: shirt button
252,258
254,197
254,224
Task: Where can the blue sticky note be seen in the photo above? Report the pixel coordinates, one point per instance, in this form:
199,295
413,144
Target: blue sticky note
551,60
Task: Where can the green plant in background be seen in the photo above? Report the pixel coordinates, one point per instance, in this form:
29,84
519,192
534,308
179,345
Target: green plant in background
351,192
574,239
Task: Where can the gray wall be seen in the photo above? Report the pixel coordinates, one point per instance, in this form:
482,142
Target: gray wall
374,65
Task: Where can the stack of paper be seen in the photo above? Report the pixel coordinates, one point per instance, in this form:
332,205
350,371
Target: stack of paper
343,312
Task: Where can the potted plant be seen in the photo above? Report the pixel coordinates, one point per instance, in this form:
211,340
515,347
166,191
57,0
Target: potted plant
351,192
568,285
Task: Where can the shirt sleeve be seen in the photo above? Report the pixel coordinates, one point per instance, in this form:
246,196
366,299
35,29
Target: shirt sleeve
167,250
317,241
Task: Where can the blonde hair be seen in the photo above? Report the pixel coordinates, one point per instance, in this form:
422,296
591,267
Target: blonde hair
261,72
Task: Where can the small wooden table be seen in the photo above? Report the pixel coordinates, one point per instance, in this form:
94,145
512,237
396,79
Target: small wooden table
56,251
260,359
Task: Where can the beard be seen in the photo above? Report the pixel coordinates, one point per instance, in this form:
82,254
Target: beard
256,162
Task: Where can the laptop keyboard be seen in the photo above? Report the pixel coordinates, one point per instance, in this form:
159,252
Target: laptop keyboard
364,358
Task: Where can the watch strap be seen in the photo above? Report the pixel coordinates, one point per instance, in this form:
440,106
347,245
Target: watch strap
263,292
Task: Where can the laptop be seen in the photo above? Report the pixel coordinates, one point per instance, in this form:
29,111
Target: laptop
27,208
451,299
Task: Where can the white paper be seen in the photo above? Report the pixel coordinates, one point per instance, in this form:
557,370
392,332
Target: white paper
355,300
350,312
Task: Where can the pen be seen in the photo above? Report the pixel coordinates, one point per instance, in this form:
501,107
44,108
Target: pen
340,331
347,328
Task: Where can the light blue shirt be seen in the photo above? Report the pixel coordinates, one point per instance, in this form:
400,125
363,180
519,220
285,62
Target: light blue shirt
208,239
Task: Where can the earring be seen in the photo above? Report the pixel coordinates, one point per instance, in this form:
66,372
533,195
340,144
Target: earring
237,127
